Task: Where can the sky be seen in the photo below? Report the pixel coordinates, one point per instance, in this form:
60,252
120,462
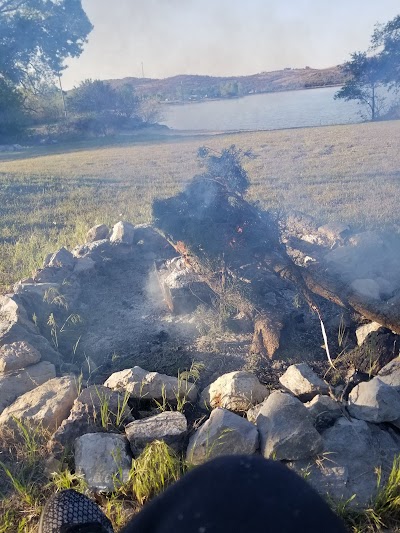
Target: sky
222,37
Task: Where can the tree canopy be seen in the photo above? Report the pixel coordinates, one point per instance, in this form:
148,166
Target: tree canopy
36,36
372,73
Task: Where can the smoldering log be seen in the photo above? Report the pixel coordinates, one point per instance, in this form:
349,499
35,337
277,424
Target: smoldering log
236,247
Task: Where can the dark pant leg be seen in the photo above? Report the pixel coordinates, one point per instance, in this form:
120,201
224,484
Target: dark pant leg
238,494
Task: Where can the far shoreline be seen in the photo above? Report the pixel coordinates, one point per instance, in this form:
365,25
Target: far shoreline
229,98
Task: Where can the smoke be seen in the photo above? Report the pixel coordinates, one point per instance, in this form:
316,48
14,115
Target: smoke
228,37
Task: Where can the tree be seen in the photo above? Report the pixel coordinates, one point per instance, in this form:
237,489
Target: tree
372,74
127,102
36,36
365,82
92,96
11,111
386,41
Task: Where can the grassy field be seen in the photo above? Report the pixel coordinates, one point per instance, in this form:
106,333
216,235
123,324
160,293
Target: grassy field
50,196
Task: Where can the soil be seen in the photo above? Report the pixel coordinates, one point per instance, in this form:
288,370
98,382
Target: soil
125,322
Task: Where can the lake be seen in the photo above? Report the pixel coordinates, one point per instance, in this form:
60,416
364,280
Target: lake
269,111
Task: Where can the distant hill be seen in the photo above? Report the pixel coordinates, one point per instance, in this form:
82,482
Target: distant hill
193,87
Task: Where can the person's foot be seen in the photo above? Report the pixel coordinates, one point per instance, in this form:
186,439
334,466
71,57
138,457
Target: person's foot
71,512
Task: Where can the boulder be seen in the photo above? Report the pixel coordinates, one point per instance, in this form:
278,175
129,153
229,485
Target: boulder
103,459
17,383
97,409
17,355
303,382
237,391
286,429
324,410
170,427
374,401
123,233
224,433
49,404
145,385
61,258
15,326
97,233
363,331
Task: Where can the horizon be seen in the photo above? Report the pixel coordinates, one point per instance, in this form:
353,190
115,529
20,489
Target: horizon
216,76
221,39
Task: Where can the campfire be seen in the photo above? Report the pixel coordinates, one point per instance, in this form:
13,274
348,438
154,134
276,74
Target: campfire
259,259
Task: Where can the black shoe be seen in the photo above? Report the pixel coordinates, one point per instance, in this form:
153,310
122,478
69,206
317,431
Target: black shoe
71,512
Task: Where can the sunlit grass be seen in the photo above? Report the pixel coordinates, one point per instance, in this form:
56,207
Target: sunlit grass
50,196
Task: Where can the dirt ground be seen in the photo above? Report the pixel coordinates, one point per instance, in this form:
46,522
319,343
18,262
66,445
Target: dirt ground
126,322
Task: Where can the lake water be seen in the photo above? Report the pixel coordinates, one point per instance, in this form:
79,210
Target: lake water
270,111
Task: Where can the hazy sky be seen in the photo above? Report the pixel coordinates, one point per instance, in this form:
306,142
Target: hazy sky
222,37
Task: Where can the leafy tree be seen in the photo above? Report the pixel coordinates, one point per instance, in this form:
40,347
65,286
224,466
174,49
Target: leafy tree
36,36
92,96
386,41
371,74
11,111
127,102
365,82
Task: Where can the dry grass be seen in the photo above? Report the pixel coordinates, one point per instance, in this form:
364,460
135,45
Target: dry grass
50,196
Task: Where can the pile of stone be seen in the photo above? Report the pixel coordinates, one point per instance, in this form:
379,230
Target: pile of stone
337,444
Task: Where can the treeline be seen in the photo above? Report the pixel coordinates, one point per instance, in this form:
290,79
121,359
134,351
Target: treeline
94,108
36,37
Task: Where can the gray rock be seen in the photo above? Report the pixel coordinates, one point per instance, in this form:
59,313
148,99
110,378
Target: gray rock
170,427
62,258
224,433
35,289
236,391
123,233
182,288
88,415
357,449
49,404
17,383
324,410
97,233
84,265
390,374
103,459
363,331
303,382
49,274
374,401
15,326
142,384
17,355
99,251
286,429
253,412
